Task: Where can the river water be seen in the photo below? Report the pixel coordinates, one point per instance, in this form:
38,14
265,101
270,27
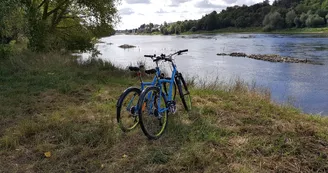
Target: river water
305,85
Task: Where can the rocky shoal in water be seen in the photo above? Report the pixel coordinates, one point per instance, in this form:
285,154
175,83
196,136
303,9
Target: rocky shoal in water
271,58
126,46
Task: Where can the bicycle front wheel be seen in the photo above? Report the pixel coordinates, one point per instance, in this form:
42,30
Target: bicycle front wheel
184,92
153,112
126,109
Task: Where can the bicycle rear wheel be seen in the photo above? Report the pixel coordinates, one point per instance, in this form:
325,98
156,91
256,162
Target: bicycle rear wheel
126,109
184,92
153,113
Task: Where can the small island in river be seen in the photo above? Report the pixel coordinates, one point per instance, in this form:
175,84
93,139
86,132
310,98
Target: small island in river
271,58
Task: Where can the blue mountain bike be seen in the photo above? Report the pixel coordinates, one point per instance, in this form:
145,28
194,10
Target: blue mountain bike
154,104
126,107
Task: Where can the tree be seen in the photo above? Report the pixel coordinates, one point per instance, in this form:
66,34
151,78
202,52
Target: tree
151,25
177,29
12,21
273,21
303,19
322,13
297,22
266,2
47,18
314,20
210,21
290,16
241,22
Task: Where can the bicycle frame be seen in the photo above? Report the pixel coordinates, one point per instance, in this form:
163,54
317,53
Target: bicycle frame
171,82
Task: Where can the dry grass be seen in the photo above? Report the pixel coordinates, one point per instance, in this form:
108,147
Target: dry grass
71,113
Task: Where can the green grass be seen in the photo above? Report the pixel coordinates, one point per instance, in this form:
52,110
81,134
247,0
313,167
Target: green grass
322,30
50,103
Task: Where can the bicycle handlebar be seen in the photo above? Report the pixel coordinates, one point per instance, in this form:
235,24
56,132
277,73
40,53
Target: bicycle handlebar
149,56
164,57
181,51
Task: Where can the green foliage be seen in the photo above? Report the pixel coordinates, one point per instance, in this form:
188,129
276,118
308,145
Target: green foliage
303,19
57,24
12,21
5,51
273,21
210,21
314,20
297,22
290,17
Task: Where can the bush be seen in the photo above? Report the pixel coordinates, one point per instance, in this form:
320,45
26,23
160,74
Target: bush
290,17
303,18
242,22
5,50
314,21
297,22
273,21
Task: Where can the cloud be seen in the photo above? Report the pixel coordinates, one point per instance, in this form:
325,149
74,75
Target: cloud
230,1
126,11
161,11
137,1
176,3
208,4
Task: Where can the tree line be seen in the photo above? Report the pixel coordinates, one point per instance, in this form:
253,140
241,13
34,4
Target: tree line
278,15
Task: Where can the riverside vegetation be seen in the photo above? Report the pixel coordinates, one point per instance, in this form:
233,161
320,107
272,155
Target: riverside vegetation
58,115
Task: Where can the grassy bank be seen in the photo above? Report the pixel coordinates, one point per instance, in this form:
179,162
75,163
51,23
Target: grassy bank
323,30
49,103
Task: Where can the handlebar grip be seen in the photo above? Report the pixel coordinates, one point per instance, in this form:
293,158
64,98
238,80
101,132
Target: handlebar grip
168,59
181,51
149,56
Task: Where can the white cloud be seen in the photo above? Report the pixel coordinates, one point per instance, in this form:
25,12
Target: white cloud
126,11
176,3
162,11
208,4
230,1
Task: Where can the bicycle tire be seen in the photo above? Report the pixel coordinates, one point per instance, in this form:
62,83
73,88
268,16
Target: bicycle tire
142,116
119,109
184,92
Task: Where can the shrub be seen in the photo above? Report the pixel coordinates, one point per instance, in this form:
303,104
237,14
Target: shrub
314,21
303,19
5,50
297,22
273,21
290,17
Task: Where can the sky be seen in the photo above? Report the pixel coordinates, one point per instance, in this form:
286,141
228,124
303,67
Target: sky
133,13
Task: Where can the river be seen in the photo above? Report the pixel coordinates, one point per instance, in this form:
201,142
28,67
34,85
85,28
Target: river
304,85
